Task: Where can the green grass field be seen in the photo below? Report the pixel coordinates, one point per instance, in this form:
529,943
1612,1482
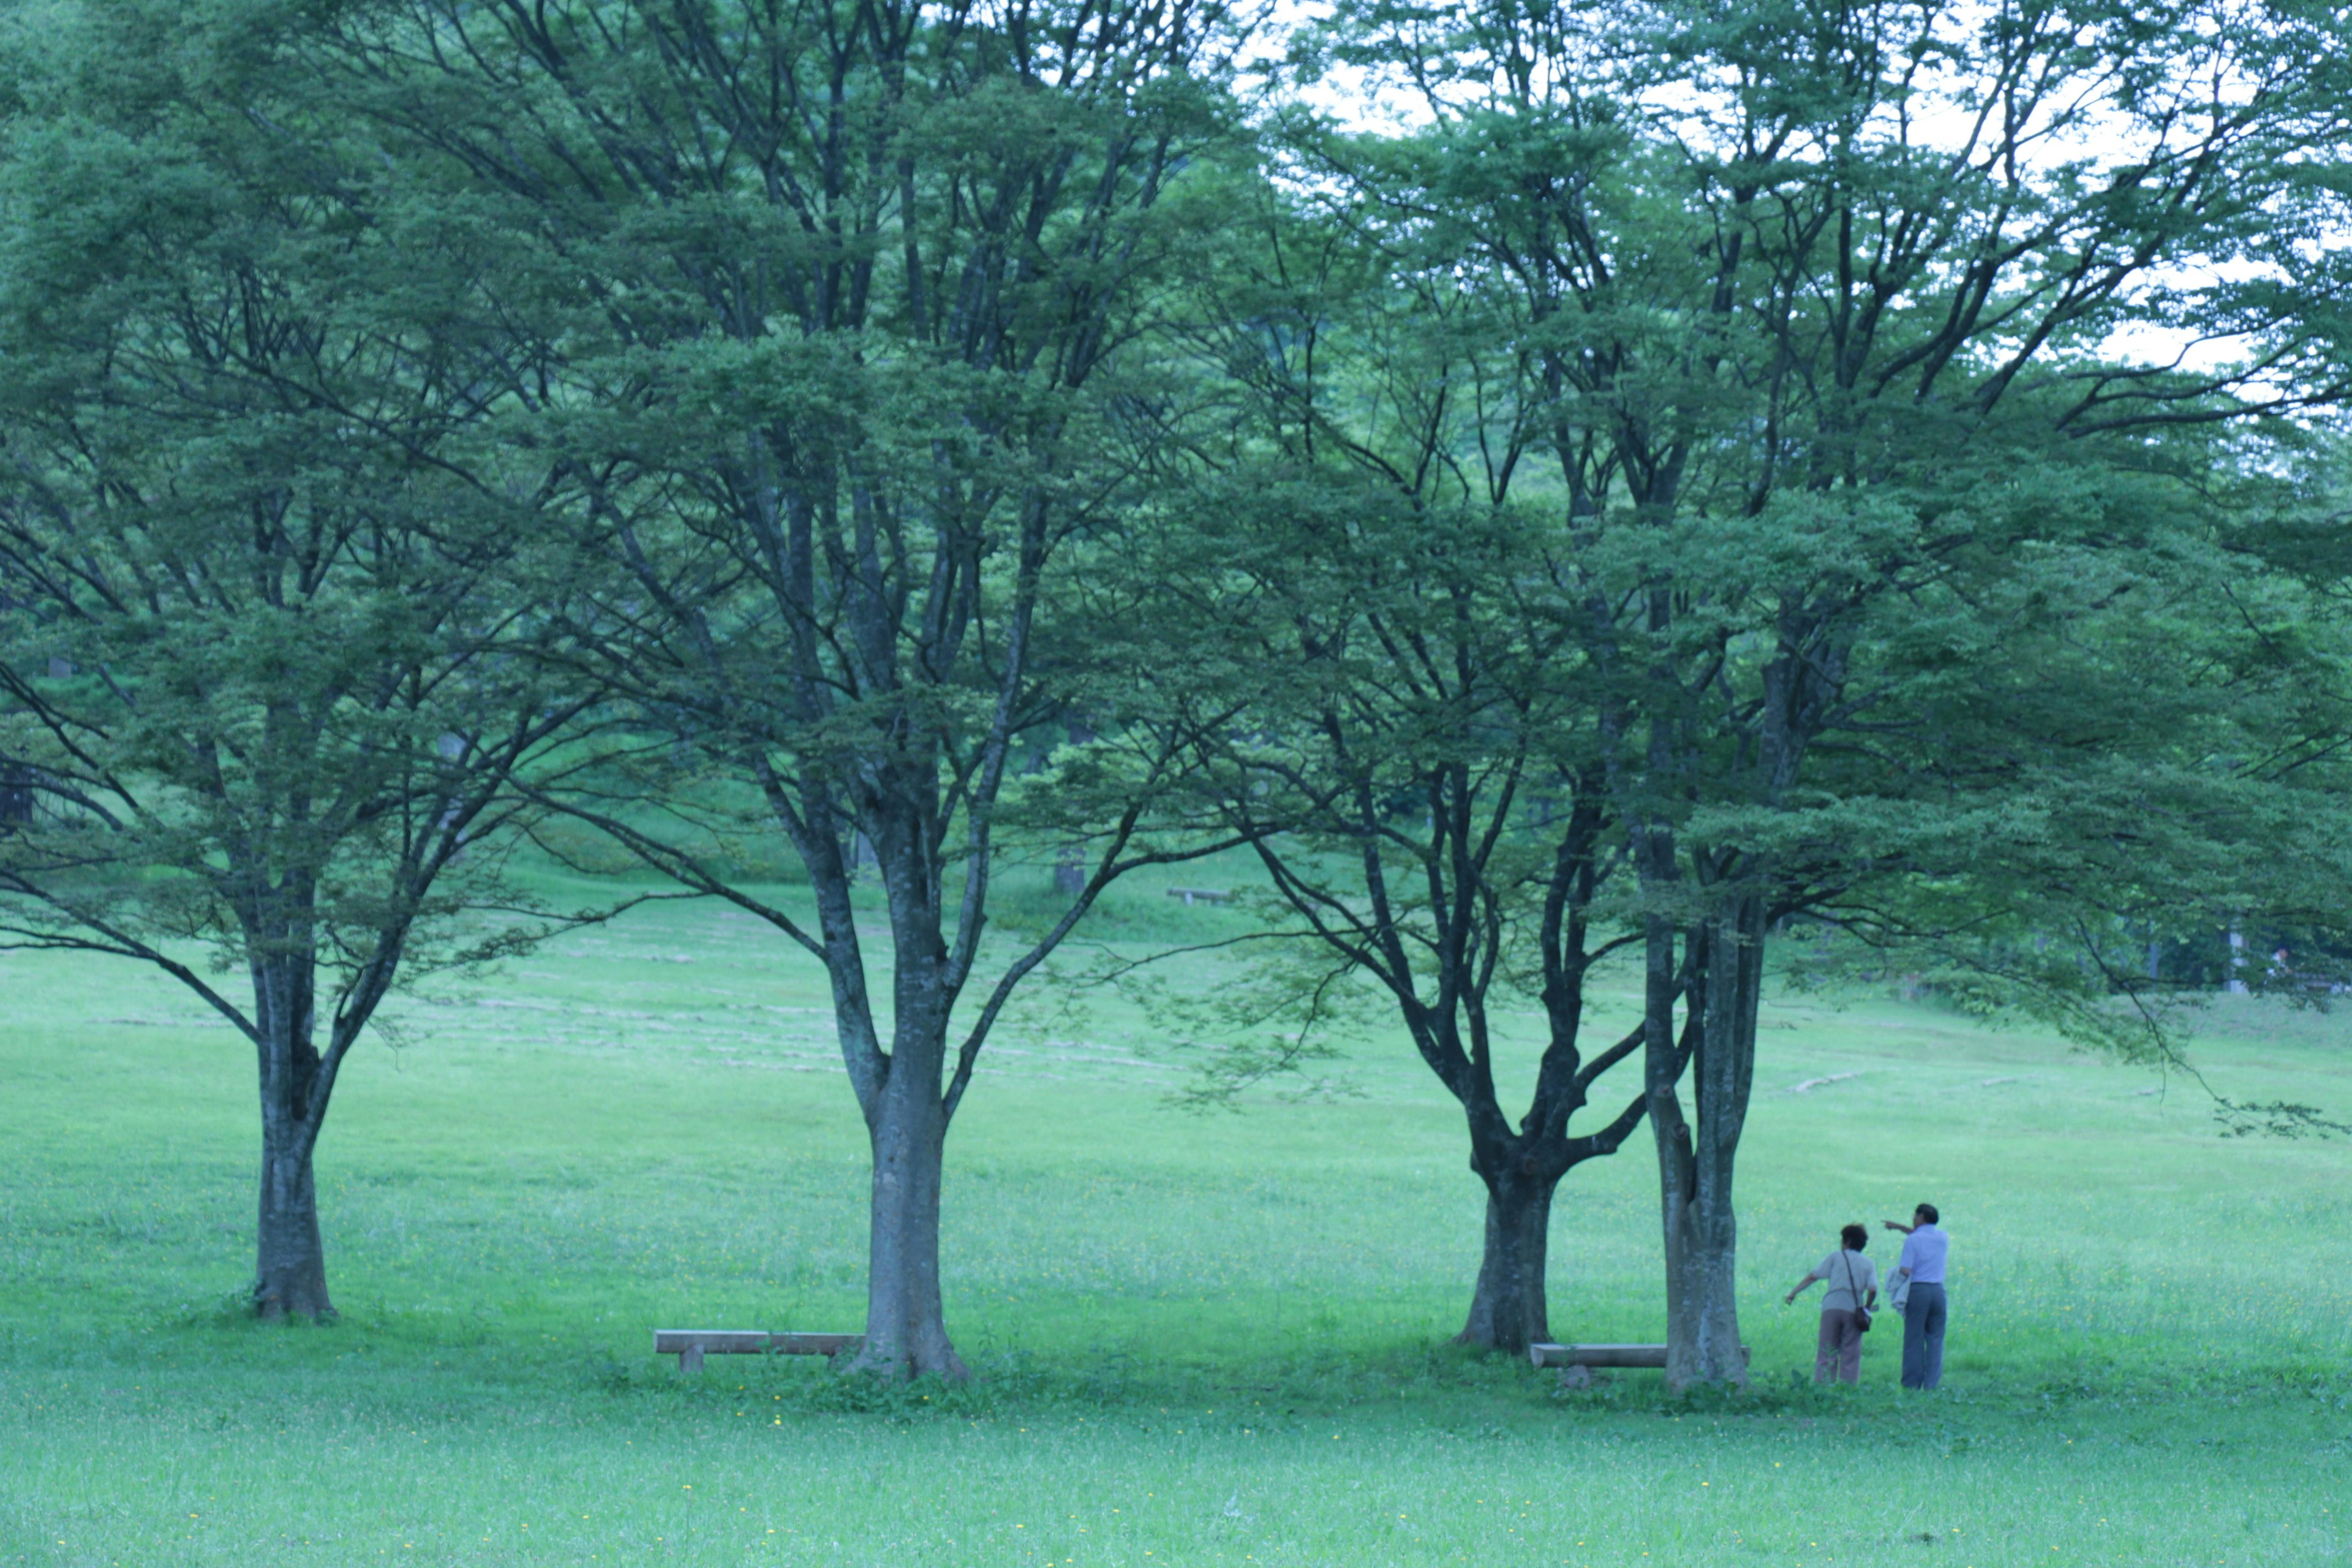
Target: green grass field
1201,1339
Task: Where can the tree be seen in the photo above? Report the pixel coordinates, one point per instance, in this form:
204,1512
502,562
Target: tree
1790,275
850,302
1416,765
1434,820
261,689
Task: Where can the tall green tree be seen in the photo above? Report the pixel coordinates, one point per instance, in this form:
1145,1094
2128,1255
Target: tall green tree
851,303
261,688
1417,765
1796,279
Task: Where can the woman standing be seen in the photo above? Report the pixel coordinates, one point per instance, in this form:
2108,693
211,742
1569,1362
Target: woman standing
1853,1281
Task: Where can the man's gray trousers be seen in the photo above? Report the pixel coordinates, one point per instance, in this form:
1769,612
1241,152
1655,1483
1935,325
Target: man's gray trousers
1923,1336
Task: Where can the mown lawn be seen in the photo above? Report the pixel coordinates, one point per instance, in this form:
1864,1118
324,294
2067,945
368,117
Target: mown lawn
1202,1338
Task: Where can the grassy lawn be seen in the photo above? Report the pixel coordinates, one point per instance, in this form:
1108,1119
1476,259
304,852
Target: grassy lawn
1202,1339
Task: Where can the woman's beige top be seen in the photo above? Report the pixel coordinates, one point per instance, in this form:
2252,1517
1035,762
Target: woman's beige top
1834,1268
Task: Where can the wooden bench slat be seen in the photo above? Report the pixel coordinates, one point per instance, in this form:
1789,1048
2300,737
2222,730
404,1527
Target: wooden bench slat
1598,1355
723,1341
814,1344
1604,1355
690,1345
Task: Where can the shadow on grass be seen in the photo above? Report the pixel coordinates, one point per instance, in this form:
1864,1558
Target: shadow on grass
1434,1384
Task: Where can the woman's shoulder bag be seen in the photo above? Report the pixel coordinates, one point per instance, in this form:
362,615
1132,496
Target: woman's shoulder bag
1860,1312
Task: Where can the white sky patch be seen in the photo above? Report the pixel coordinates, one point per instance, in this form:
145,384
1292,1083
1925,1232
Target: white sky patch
2079,122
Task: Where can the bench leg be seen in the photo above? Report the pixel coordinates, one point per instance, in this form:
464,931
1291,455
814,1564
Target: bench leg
690,1359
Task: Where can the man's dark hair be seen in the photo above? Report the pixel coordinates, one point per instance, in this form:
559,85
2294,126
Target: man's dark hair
1928,1211
1855,1237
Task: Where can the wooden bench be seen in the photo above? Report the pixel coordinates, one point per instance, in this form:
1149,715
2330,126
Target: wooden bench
1598,1355
690,1345
1206,895
1585,1357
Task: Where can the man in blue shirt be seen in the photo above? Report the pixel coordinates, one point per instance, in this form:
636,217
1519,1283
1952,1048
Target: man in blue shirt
1926,1249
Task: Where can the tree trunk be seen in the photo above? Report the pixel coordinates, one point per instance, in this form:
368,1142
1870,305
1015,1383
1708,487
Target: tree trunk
15,796
905,1323
289,1275
1507,1313
1696,1158
1070,868
1702,1257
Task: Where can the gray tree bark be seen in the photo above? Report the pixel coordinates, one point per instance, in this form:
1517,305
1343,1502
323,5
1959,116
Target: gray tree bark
1509,1310
289,1272
905,1318
290,1275
1720,982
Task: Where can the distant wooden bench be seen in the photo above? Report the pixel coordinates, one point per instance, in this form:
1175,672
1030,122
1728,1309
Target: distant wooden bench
1605,1355
1206,895
690,1345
